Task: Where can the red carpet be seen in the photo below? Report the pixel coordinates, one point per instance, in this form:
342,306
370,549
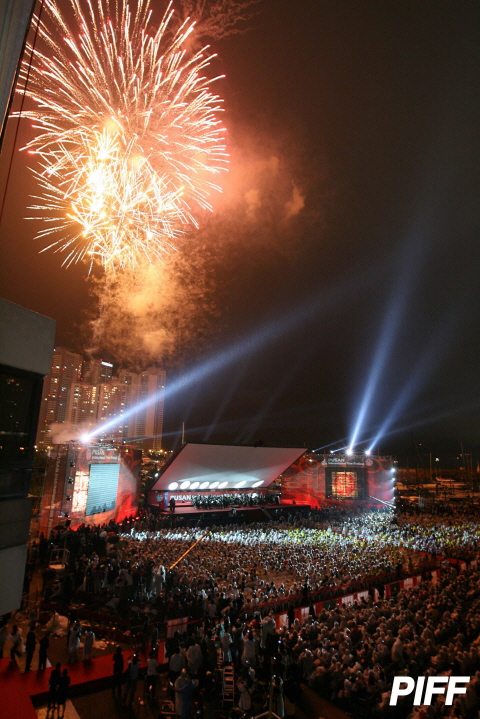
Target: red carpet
16,689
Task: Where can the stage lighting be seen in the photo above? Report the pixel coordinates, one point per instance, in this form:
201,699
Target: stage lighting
349,452
222,485
194,485
214,485
204,485
368,452
257,484
240,484
173,485
185,485
68,498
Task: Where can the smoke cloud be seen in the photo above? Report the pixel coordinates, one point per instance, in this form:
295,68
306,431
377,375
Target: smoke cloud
296,204
157,314
65,432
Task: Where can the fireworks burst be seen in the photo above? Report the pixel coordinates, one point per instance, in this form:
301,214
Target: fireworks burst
129,136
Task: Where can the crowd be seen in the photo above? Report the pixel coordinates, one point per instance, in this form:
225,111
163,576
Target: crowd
245,499
455,535
251,565
232,575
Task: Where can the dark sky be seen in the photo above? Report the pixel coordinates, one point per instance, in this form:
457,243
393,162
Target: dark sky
365,305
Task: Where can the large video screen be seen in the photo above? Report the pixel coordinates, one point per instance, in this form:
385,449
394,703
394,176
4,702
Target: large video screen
102,488
345,483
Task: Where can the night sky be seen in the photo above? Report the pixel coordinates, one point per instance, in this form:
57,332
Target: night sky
362,304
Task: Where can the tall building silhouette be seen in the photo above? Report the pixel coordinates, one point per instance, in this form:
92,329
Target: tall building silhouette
83,395
57,386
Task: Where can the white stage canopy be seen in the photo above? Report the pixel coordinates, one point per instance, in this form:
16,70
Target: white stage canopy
200,467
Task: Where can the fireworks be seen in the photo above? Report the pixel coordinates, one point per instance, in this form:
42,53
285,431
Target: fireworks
129,139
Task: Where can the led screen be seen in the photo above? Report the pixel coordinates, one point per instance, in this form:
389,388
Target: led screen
344,485
102,488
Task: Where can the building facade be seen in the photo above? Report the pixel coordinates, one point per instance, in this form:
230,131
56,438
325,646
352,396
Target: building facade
26,345
66,370
78,396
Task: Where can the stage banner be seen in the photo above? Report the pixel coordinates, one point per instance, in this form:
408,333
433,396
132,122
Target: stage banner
305,613
162,499
176,625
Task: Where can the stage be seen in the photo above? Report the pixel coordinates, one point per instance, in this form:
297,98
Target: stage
190,509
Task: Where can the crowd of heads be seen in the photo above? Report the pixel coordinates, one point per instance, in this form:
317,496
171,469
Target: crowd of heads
456,534
232,576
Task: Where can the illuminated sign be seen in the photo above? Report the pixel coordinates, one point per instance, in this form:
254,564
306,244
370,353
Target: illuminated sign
357,459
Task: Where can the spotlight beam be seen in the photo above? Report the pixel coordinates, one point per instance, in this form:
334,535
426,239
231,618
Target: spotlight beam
321,304
438,343
411,257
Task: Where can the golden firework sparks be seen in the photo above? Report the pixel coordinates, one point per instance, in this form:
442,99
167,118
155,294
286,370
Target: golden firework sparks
129,139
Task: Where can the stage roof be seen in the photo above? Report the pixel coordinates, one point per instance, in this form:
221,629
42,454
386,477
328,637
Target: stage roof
200,467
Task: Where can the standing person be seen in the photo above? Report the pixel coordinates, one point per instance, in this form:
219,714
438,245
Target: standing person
290,615
62,692
53,682
245,699
249,650
177,663
118,665
151,678
194,658
30,644
133,668
74,643
184,695
226,642
172,505
15,637
43,645
276,704
72,623
88,643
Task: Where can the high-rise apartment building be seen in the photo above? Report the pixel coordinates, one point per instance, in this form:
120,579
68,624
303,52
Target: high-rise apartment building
134,400
66,370
96,371
82,408
137,400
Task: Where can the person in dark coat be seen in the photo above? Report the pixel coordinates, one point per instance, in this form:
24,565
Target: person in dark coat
62,692
30,644
118,666
133,669
43,645
53,683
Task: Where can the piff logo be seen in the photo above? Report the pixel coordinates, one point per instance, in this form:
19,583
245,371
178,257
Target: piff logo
435,685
